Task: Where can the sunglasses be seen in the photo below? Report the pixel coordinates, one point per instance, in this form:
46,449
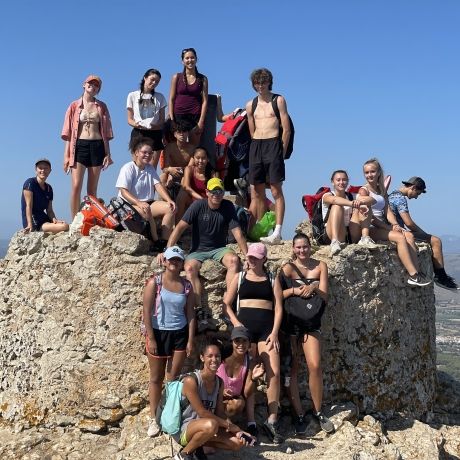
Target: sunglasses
216,192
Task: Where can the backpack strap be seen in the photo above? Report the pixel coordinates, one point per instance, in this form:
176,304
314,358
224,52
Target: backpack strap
241,277
187,286
157,294
275,107
254,104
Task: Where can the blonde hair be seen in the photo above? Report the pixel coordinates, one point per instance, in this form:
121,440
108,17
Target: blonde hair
381,175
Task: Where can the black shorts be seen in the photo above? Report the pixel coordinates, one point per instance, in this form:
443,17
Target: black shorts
266,160
169,341
258,321
156,136
188,120
90,152
38,221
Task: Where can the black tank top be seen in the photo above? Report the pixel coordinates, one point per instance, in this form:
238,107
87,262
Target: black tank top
256,290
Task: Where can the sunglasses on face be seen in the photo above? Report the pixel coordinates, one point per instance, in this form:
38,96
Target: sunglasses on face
216,192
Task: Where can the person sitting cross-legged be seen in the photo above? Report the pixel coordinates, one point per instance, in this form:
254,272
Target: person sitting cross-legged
413,188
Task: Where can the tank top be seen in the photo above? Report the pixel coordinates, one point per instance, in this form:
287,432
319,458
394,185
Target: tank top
188,97
235,384
256,290
199,186
209,400
346,210
170,314
378,208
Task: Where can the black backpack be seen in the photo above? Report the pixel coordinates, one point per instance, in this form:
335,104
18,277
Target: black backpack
290,147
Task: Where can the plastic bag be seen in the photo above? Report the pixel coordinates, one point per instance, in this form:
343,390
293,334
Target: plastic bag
263,227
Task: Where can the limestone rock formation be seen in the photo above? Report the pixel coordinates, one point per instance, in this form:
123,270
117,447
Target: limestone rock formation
72,363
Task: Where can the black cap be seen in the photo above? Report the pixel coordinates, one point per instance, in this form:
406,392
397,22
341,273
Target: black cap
418,182
240,332
43,160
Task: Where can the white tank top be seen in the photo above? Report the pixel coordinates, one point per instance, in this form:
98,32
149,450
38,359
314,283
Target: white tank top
378,208
346,210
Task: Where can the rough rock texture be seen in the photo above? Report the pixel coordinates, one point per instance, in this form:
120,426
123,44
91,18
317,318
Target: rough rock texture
72,364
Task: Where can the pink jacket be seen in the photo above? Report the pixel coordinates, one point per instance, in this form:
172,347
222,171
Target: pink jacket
70,128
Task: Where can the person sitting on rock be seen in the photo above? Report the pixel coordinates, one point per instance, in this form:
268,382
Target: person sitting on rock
210,218
37,202
169,321
304,278
137,183
397,199
342,223
239,374
196,176
176,156
260,308
203,420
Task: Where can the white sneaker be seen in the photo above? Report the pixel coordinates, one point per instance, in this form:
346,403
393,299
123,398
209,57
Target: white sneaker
367,241
335,247
271,240
153,429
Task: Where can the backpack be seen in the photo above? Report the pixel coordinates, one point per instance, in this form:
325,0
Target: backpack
158,282
290,147
313,204
232,141
243,219
95,213
129,217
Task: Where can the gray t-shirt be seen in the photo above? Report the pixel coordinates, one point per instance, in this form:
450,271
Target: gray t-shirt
210,226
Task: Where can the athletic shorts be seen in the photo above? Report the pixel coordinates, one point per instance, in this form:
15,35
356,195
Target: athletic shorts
90,152
156,135
38,221
266,160
214,254
168,342
258,321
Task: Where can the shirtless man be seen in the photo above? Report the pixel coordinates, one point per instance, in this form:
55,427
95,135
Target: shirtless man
177,156
266,156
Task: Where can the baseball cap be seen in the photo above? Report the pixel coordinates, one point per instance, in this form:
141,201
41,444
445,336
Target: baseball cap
257,250
240,332
174,251
214,183
94,78
418,182
43,160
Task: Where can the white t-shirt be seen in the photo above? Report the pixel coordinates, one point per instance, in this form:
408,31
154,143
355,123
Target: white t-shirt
140,182
148,111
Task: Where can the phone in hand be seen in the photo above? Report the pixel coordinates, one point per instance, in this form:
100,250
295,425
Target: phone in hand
248,439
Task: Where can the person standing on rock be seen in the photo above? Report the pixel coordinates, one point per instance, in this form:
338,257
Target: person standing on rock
259,308
384,225
169,321
210,218
87,131
301,280
37,202
412,189
268,149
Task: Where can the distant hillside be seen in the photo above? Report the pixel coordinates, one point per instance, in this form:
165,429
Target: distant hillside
3,247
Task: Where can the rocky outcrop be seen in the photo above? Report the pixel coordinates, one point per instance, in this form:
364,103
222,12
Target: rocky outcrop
72,356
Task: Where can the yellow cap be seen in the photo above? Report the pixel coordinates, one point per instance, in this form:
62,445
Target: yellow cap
215,183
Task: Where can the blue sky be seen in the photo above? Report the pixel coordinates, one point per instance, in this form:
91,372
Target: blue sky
361,79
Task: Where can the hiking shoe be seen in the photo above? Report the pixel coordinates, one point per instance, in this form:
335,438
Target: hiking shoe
335,247
241,186
183,456
300,425
271,429
367,241
418,280
253,430
325,424
153,428
446,282
199,454
271,240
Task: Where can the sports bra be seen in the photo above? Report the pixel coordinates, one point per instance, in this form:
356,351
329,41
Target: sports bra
89,117
260,290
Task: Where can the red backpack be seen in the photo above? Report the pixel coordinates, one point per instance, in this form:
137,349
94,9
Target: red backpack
95,213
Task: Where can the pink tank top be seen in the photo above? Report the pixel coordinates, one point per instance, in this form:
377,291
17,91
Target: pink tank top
234,384
199,186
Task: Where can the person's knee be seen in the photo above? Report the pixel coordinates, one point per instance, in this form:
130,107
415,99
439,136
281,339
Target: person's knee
409,237
232,262
314,367
210,426
436,242
192,270
277,191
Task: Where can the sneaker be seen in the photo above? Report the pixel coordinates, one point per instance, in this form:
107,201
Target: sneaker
253,430
300,425
241,186
367,241
153,428
271,429
199,454
183,456
446,282
325,424
335,247
418,280
201,318
271,240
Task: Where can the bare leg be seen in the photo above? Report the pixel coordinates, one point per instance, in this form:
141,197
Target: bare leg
174,365
258,201
161,208
78,173
93,179
312,350
359,225
50,227
198,432
157,373
436,247
183,201
271,360
192,272
280,205
335,225
149,218
294,393
232,263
